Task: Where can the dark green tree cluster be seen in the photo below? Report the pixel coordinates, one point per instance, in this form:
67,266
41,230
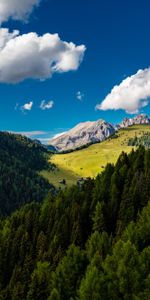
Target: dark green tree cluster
20,161
143,140
87,242
24,149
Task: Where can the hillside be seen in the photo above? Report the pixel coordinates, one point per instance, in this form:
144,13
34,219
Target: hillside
91,160
86,133
20,161
87,243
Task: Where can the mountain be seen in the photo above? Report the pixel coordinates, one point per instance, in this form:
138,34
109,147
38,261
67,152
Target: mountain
83,134
137,120
51,148
87,133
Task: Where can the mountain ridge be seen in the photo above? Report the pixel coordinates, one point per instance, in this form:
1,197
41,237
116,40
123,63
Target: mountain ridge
89,132
83,134
137,120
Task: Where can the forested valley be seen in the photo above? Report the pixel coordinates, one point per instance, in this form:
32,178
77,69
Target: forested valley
90,241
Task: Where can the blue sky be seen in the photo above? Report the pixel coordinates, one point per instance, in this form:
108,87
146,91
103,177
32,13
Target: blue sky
116,37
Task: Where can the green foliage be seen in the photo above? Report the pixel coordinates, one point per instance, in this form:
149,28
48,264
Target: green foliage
68,274
98,243
54,295
91,286
20,159
40,281
23,149
98,218
86,242
143,140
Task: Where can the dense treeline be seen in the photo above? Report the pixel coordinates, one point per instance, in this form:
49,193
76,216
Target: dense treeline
143,140
20,159
23,149
88,242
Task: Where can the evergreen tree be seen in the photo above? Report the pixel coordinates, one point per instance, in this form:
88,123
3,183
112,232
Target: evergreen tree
40,282
98,218
69,272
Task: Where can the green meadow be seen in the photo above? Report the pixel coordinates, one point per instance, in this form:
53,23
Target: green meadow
90,161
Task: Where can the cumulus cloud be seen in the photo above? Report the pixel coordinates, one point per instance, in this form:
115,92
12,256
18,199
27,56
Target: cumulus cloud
79,96
27,106
37,57
130,95
16,9
46,105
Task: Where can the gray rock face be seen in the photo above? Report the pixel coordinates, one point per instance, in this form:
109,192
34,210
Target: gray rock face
137,120
83,134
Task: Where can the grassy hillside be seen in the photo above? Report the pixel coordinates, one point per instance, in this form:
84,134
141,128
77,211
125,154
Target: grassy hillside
92,160
54,177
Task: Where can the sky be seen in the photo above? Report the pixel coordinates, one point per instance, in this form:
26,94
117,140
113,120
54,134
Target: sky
64,62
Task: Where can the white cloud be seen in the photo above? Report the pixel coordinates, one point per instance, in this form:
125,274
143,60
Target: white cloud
79,96
27,106
46,105
44,141
30,134
51,136
130,95
16,9
37,57
43,136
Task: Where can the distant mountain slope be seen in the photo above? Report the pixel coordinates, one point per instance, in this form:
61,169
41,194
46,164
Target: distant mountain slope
83,134
87,133
91,161
137,120
20,159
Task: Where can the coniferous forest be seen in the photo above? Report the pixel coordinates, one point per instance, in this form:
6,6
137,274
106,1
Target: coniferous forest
74,150
90,241
20,161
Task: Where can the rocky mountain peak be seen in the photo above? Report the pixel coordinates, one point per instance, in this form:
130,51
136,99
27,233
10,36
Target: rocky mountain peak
82,134
137,120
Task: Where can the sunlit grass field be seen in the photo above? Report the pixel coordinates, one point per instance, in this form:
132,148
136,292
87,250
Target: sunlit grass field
58,175
92,160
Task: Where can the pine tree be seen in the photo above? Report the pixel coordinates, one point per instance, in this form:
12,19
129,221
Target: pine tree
98,218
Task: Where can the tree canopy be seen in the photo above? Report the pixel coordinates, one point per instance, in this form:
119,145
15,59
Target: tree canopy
88,242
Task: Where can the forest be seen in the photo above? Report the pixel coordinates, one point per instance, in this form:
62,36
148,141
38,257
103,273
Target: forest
20,161
143,139
86,242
